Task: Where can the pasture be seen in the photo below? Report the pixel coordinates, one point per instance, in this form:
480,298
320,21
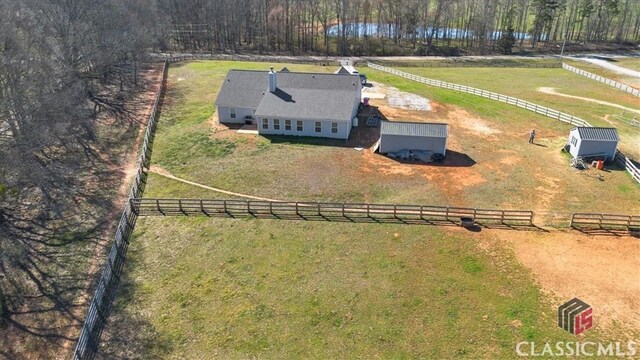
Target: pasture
200,287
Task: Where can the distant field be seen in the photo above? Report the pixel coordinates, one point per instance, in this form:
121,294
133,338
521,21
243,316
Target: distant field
474,62
629,63
201,288
524,84
609,74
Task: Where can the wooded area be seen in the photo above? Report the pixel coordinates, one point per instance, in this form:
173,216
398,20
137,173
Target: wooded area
68,70
394,27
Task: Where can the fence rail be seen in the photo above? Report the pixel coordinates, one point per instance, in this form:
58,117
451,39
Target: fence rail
631,167
327,211
100,306
605,221
538,109
615,84
457,64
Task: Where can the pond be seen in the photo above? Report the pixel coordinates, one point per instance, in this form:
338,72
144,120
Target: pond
361,29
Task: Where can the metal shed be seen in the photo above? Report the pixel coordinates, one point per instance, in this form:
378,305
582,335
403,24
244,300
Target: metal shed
400,135
593,142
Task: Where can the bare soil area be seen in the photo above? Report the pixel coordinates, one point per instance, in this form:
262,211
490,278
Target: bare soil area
603,271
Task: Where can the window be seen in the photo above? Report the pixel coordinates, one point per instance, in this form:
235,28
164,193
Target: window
287,125
265,124
318,126
232,113
276,124
299,125
574,141
254,111
334,127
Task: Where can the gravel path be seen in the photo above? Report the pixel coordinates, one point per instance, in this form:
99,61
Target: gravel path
162,172
615,68
552,91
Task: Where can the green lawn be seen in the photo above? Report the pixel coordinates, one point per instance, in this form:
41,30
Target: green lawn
221,288
507,173
203,288
629,63
524,83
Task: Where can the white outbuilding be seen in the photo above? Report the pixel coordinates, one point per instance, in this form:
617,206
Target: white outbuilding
593,142
401,135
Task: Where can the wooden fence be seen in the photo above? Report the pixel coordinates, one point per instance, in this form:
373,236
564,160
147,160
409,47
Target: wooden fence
327,211
538,109
100,306
605,221
615,84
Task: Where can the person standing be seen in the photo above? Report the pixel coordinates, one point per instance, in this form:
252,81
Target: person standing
532,136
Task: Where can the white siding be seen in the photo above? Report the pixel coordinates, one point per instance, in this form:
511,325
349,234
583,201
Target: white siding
591,147
241,113
344,128
393,143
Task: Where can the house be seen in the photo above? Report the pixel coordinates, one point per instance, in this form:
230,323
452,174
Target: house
290,103
346,68
399,135
593,142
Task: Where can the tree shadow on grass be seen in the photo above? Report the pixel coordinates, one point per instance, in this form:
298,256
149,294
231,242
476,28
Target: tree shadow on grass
128,334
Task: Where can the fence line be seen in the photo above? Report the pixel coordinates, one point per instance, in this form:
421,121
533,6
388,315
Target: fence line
615,84
625,162
538,109
327,211
456,64
100,306
605,221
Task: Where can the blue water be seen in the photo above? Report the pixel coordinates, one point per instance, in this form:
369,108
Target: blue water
361,29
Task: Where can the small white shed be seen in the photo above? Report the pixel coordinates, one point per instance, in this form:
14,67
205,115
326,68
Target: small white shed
401,135
593,142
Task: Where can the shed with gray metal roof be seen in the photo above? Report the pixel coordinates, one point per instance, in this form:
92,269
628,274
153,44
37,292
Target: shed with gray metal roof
402,135
593,142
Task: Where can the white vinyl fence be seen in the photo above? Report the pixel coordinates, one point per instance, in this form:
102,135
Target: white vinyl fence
615,84
539,109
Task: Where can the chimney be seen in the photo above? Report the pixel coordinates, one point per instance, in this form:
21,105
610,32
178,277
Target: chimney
273,84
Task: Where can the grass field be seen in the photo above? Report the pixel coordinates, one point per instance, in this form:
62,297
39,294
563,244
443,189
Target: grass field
265,289
629,63
609,74
202,288
524,84
501,167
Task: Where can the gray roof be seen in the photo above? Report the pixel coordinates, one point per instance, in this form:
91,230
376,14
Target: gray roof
346,70
299,95
413,129
598,133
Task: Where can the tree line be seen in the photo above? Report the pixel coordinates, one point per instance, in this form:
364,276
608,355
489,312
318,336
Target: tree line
67,71
389,27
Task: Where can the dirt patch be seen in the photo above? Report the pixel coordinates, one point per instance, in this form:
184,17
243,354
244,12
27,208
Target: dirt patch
602,271
464,120
396,98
